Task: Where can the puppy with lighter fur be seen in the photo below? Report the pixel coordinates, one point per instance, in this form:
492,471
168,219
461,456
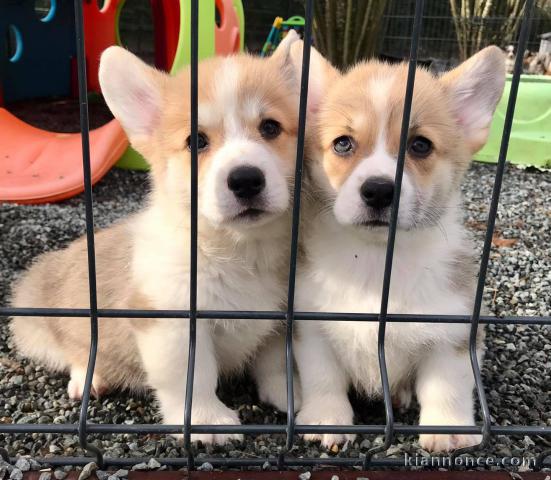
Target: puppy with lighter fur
248,114
433,271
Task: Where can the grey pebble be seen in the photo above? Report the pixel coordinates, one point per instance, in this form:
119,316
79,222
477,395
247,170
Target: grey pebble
305,476
45,476
17,379
335,477
140,466
60,475
16,474
102,474
112,477
206,467
153,464
266,465
121,473
23,464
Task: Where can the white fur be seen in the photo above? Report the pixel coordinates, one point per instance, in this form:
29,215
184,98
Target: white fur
232,275
347,277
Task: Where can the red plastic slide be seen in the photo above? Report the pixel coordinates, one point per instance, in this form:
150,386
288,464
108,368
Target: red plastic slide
37,166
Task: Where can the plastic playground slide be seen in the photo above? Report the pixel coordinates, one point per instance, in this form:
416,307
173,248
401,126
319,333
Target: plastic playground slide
37,166
530,143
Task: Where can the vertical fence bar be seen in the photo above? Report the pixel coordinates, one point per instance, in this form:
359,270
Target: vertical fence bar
408,100
302,113
85,135
194,98
502,158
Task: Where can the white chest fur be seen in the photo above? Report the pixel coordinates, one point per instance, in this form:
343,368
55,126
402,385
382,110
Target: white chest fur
233,274
347,276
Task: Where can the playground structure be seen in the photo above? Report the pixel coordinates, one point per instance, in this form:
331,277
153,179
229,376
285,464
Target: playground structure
530,143
38,166
279,29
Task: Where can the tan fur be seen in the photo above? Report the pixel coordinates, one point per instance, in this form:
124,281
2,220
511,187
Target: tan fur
230,255
347,113
60,280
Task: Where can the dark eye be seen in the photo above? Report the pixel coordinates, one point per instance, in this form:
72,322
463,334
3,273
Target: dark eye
202,142
420,147
269,128
343,145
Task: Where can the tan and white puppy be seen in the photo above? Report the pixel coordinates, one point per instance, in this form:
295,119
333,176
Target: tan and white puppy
433,272
248,113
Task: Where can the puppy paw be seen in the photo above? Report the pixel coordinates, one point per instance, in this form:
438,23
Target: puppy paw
447,443
215,413
327,413
75,388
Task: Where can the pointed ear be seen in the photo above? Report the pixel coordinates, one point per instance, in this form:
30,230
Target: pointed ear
133,91
322,73
474,89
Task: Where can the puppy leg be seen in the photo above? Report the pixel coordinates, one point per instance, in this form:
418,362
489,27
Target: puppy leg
324,386
270,374
164,350
445,384
76,384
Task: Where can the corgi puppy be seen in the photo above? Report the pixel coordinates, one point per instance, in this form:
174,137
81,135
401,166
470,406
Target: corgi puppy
248,114
434,268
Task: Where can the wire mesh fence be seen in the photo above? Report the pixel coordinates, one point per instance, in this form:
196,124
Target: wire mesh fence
84,429
440,37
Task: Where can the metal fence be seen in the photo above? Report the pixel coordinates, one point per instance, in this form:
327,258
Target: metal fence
439,40
84,429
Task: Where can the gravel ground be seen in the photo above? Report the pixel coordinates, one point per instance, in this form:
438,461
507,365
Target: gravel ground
516,369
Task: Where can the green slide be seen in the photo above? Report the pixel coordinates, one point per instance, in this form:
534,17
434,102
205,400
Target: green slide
530,143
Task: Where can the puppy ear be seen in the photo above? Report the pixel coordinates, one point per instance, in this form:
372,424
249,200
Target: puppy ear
322,73
475,88
133,91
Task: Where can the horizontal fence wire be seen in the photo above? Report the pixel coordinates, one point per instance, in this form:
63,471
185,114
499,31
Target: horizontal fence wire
274,315
270,429
84,429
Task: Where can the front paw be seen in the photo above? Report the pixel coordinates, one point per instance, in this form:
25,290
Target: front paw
336,412
211,413
447,443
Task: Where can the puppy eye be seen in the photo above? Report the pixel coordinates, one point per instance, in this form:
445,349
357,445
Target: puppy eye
202,142
343,145
269,128
420,147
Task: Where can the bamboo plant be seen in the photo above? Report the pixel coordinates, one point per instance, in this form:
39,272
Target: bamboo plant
346,31
472,20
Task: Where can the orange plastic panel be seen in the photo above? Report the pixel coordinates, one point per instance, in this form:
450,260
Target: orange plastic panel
37,166
227,36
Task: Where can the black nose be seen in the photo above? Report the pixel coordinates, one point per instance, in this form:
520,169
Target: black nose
377,192
246,182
